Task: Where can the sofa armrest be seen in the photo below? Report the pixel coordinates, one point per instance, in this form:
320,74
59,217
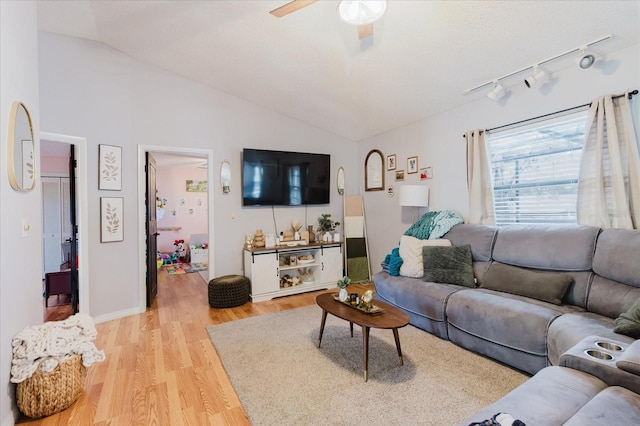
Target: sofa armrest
630,359
599,357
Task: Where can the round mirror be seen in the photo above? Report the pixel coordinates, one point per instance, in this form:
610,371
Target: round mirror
340,181
225,177
21,164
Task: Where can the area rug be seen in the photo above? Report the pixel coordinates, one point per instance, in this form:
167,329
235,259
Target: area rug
283,378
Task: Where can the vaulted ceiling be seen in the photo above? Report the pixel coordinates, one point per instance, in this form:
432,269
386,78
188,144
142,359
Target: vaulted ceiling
311,66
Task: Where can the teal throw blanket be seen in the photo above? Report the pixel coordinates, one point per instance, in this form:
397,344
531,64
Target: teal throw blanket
433,225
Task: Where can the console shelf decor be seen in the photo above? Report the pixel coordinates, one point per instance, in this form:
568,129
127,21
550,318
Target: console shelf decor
283,271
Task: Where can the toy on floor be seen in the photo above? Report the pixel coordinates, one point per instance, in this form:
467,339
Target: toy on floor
181,252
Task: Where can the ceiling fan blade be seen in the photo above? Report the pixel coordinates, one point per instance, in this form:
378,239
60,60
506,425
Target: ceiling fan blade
365,31
292,6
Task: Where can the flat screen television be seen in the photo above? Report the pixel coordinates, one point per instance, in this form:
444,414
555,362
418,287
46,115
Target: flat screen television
282,178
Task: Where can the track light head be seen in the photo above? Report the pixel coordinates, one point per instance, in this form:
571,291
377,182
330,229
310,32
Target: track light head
496,92
538,77
586,59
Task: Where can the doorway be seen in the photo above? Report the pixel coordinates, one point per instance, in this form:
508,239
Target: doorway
202,158
71,147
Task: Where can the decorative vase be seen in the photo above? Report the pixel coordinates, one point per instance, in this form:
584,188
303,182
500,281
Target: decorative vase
344,295
296,236
312,236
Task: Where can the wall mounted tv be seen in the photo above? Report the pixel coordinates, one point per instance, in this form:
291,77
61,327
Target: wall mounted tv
281,178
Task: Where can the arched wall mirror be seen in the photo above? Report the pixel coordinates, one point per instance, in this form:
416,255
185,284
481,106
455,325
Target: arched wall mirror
21,164
225,177
340,181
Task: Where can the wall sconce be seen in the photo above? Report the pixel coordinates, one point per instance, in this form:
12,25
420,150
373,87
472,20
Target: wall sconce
413,196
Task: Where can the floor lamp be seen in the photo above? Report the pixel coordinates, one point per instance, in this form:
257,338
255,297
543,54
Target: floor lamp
413,196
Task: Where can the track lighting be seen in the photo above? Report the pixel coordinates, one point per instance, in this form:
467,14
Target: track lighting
586,59
496,92
538,77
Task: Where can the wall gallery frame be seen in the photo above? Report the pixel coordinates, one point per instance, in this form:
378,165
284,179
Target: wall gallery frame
412,165
111,219
110,167
391,162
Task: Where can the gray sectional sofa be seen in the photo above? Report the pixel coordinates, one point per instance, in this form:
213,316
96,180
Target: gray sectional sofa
534,335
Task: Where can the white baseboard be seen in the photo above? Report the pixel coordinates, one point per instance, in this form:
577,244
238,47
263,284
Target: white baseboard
117,315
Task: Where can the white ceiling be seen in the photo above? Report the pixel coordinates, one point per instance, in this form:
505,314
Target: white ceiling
311,66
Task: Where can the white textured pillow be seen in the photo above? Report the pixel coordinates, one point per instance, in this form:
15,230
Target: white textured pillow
411,254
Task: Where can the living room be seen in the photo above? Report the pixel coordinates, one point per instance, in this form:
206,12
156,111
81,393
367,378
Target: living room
79,87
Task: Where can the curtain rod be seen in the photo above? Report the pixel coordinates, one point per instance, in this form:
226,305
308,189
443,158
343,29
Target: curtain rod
634,92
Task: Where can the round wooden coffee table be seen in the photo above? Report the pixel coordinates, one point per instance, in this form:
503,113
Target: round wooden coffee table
391,317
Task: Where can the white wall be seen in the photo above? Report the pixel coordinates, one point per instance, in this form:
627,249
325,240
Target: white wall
438,140
90,90
20,257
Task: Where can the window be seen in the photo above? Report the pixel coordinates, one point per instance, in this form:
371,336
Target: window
535,171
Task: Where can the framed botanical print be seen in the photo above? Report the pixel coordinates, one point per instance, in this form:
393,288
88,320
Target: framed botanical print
374,171
391,162
111,219
110,167
412,165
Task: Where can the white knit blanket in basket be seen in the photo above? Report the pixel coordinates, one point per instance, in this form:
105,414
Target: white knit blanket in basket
53,341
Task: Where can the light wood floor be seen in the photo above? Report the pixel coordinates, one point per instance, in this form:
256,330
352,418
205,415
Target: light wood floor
161,367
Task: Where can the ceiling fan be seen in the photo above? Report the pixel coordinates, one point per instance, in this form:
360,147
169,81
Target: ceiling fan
362,13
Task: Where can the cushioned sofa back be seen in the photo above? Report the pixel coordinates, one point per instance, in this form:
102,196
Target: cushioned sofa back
481,238
567,248
616,263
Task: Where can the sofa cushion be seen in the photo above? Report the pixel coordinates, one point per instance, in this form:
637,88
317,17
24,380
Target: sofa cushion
411,254
616,256
424,302
545,286
451,265
628,323
481,238
630,359
615,405
558,248
551,397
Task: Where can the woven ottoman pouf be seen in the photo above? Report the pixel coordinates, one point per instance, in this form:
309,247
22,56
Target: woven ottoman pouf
229,291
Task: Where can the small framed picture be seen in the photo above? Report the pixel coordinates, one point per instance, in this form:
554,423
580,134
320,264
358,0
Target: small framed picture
111,219
412,165
399,174
110,167
426,173
391,162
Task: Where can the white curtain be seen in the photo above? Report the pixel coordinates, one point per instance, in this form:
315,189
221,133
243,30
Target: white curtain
479,180
609,182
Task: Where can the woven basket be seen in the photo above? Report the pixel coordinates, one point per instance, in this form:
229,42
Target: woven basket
44,394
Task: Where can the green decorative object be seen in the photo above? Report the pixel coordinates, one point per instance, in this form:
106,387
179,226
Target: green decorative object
326,224
344,282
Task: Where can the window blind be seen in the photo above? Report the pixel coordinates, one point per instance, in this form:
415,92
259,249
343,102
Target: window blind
535,171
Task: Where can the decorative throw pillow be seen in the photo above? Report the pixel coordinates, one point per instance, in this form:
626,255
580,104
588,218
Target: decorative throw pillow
411,254
452,265
546,286
628,323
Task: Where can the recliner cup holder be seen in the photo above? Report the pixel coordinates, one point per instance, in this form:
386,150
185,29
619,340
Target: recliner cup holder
609,346
601,355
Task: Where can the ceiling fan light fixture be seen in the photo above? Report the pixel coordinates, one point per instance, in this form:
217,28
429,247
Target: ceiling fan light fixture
496,92
586,59
539,77
361,12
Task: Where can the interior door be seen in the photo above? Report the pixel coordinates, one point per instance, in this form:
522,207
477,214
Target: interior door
74,230
152,230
